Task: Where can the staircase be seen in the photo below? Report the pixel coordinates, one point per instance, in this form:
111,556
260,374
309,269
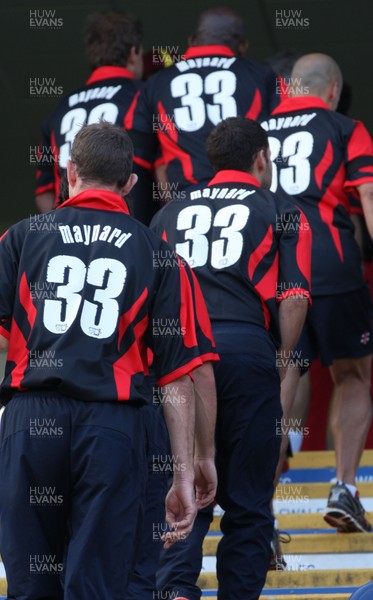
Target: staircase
321,563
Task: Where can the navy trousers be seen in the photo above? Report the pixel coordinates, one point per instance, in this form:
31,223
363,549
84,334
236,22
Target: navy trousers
248,389
72,496
143,580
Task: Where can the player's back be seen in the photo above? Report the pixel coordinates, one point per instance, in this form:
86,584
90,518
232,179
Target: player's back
108,95
312,162
184,102
84,299
230,233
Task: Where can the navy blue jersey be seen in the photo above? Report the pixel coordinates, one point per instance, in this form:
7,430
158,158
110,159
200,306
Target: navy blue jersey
320,157
248,249
85,290
108,94
180,105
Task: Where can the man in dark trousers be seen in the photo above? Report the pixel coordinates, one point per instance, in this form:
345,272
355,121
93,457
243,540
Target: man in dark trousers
233,232
73,462
178,107
320,157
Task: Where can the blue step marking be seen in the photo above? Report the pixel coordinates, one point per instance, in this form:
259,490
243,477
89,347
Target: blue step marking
322,475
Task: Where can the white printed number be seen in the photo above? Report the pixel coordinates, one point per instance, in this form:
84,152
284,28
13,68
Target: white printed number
296,149
98,318
221,85
196,222
74,120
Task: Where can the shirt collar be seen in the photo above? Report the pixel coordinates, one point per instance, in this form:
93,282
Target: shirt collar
299,103
98,200
109,73
233,176
213,50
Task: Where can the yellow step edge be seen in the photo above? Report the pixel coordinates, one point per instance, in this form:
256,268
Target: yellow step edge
325,458
299,521
316,543
295,521
302,579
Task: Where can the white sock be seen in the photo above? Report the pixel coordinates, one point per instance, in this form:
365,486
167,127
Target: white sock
351,488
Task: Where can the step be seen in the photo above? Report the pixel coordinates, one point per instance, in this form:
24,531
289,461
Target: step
302,491
311,543
324,458
323,474
300,579
295,521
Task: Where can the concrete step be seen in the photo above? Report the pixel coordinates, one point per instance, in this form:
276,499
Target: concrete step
311,543
325,458
299,579
295,521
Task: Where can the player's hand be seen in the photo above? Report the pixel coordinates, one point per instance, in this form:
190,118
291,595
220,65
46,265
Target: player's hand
206,481
181,510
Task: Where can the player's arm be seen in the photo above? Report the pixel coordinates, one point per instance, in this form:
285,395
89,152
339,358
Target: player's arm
294,280
4,343
359,170
204,460
365,191
174,358
180,417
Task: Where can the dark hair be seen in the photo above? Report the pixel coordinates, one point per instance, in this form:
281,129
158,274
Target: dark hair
109,37
220,25
103,153
234,144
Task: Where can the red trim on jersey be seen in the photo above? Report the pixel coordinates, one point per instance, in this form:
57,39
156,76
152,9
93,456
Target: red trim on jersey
360,143
184,370
4,332
167,123
17,353
298,103
172,151
260,251
108,72
328,203
142,163
98,200
44,188
324,164
26,300
128,119
164,236
202,313
295,292
350,185
233,176
256,106
128,317
4,234
186,309
212,50
210,356
131,362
